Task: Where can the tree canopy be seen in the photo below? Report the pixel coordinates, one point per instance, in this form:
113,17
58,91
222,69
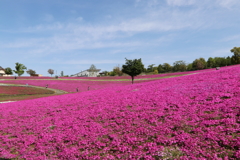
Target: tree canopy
179,66
8,70
31,72
19,69
167,67
236,55
133,67
199,64
51,71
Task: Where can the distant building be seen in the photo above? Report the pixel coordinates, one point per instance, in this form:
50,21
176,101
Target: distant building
2,72
36,75
87,73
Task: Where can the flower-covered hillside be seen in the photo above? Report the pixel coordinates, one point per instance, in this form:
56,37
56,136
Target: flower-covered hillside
190,117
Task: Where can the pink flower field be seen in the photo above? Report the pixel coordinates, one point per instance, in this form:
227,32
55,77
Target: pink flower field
190,117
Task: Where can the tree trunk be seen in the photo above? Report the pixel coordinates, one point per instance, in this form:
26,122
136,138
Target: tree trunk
132,79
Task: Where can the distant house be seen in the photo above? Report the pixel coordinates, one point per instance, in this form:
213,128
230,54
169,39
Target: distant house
87,73
2,72
36,75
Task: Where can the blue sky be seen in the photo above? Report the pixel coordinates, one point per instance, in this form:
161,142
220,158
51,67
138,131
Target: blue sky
70,35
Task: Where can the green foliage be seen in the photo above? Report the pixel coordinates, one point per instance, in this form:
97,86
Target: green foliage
167,67
155,71
112,73
228,61
150,68
105,73
133,67
203,62
117,71
199,64
31,72
220,61
179,66
19,69
8,70
211,62
160,69
236,55
189,67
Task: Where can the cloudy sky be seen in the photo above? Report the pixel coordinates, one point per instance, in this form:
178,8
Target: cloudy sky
70,35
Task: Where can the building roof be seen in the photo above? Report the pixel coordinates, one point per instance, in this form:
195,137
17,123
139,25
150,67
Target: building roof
2,68
97,70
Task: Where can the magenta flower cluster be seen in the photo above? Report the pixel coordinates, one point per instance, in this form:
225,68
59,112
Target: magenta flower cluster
189,117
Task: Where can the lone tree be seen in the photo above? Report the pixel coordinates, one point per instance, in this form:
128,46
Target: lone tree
8,71
51,71
19,69
133,67
31,72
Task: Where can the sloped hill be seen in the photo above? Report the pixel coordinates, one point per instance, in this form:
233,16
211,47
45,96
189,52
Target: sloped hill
190,117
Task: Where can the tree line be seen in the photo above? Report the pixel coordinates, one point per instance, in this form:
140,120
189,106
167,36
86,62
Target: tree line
135,67
181,66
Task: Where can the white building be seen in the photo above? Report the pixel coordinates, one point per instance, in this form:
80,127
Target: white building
87,73
2,72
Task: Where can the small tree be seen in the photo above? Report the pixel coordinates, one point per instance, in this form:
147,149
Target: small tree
19,69
8,70
112,73
155,71
51,71
31,72
118,70
133,67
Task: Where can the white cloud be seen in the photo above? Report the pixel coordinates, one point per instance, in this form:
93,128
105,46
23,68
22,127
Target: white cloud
79,19
68,36
180,2
229,3
231,38
48,17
